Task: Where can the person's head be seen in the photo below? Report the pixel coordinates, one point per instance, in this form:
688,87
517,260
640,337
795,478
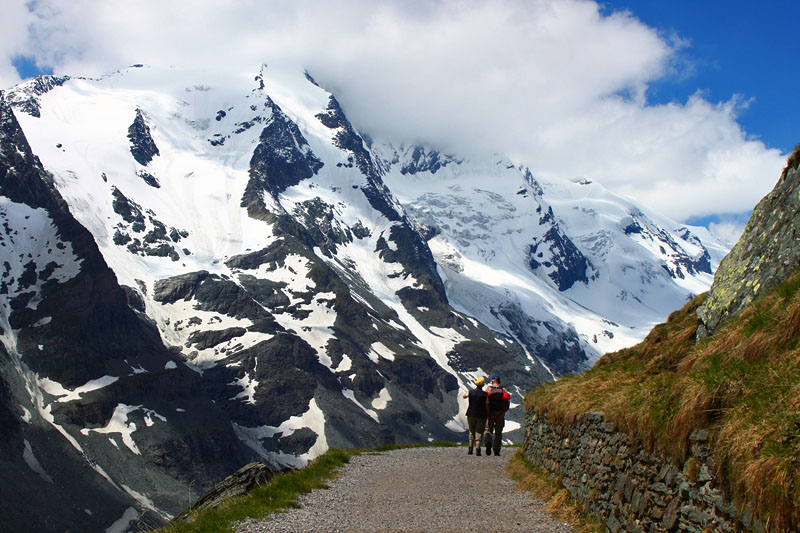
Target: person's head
496,381
480,382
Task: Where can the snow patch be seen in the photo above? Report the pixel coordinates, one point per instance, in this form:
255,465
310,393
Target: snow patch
380,350
119,424
33,463
382,400
123,523
350,395
144,501
344,365
65,395
248,389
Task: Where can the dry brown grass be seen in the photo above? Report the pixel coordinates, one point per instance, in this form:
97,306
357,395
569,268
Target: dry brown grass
743,384
559,502
794,160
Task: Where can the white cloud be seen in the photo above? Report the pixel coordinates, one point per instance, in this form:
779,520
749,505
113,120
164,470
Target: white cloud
13,30
553,83
727,231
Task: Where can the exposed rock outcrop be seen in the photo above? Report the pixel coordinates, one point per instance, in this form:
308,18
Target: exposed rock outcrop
766,255
143,148
240,482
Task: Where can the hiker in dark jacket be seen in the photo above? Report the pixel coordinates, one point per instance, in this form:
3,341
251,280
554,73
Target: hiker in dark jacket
476,414
498,399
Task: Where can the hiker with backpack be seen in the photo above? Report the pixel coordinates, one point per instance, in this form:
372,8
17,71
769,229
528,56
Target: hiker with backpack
476,414
498,400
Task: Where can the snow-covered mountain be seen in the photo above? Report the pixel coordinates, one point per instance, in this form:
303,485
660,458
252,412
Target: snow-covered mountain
568,269
205,268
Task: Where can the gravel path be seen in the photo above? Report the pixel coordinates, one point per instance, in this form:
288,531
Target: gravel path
416,489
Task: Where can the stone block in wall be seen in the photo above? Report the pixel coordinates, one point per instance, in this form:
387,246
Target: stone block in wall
670,517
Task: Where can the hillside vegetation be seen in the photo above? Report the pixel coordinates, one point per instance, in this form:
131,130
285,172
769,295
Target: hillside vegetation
742,384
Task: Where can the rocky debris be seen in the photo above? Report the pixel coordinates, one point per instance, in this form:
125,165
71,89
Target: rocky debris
411,250
223,296
324,227
628,487
130,211
237,484
765,256
143,148
347,139
678,263
208,339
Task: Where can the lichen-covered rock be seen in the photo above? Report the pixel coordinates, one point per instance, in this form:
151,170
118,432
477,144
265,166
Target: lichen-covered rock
243,480
766,255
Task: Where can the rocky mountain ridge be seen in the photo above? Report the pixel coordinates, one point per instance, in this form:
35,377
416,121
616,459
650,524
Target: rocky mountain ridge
235,272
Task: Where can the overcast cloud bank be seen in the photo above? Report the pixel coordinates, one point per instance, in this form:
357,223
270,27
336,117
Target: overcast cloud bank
554,84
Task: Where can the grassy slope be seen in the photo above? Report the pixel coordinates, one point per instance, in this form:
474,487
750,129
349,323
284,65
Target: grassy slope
743,384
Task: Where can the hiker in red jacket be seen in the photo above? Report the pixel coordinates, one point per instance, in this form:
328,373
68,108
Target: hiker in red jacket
497,403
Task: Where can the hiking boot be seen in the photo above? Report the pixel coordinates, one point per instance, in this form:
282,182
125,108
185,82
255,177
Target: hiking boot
478,451
488,451
497,453
469,452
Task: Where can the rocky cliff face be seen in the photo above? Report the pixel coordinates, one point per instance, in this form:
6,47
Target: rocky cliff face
766,255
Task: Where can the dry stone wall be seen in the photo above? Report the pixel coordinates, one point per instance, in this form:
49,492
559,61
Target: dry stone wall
629,488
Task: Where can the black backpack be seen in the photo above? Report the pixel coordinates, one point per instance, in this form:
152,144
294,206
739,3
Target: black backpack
497,404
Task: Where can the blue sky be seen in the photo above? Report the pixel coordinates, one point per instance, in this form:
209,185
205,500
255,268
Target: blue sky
743,47
735,47
687,107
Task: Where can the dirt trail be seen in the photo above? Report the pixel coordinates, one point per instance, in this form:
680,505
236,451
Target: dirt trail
417,489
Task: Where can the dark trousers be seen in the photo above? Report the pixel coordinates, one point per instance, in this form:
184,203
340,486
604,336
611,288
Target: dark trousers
494,431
